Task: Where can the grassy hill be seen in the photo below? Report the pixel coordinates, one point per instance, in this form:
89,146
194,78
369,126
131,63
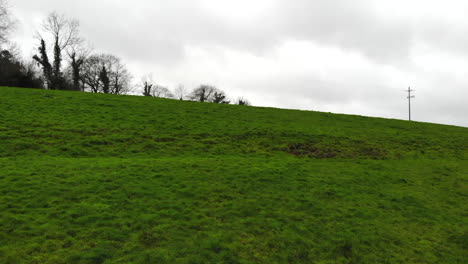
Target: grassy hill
93,178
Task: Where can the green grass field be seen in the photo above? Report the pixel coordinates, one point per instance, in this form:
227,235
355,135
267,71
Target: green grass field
93,178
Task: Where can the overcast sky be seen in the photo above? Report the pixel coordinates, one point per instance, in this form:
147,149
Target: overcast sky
341,56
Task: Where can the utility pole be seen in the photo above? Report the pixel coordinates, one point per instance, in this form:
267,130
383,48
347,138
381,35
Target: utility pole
409,101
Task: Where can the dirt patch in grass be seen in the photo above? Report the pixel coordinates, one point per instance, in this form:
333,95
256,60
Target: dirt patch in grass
330,148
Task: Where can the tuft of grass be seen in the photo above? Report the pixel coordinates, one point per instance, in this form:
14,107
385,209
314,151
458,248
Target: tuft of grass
93,178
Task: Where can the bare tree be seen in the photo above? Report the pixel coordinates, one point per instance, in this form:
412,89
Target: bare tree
161,92
180,92
6,22
207,93
77,55
43,60
119,76
62,33
90,74
147,85
219,97
150,88
242,101
104,78
203,93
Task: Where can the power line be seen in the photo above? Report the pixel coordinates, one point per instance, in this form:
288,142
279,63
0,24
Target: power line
409,101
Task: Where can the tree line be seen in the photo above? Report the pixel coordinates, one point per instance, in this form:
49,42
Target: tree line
64,61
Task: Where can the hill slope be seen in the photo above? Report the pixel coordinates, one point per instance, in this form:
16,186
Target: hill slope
93,178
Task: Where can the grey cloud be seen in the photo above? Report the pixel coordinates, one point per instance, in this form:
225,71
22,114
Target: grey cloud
444,36
348,24
342,23
155,30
